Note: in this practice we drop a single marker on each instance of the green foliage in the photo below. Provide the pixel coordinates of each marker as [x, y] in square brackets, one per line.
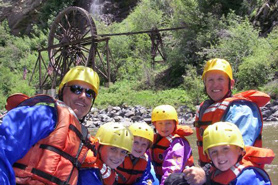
[50, 10]
[255, 69]
[144, 17]
[4, 33]
[236, 41]
[131, 54]
[193, 85]
[253, 73]
[12, 82]
[223, 7]
[16, 54]
[272, 41]
[272, 89]
[212, 28]
[125, 92]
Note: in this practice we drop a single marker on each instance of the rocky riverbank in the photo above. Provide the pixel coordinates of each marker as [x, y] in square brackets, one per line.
[129, 114]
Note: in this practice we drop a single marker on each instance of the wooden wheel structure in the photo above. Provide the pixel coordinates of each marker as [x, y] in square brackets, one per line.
[71, 42]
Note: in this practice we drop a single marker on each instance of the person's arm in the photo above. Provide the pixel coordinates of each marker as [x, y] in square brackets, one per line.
[21, 128]
[147, 176]
[251, 176]
[89, 176]
[175, 157]
[195, 175]
[246, 115]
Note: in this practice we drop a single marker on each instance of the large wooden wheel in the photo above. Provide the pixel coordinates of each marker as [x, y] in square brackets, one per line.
[71, 42]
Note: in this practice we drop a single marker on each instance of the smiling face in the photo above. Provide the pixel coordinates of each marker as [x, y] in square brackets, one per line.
[112, 156]
[224, 156]
[217, 84]
[80, 104]
[140, 145]
[165, 127]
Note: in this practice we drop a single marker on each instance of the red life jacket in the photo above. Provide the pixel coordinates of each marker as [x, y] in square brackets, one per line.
[162, 143]
[56, 158]
[132, 169]
[108, 175]
[216, 111]
[254, 158]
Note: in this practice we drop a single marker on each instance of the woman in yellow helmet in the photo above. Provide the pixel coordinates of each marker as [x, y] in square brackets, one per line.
[114, 142]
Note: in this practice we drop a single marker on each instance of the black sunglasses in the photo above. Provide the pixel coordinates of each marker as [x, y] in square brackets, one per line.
[76, 89]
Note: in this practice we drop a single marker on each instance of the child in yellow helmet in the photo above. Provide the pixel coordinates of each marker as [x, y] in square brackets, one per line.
[136, 168]
[114, 142]
[233, 162]
[170, 151]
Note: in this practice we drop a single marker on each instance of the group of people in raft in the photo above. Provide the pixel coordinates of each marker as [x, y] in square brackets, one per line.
[43, 140]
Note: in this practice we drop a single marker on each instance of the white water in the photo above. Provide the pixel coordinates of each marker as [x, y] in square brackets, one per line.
[96, 8]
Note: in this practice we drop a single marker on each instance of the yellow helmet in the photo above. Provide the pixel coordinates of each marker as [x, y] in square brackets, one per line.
[220, 65]
[222, 133]
[164, 112]
[81, 73]
[142, 130]
[115, 134]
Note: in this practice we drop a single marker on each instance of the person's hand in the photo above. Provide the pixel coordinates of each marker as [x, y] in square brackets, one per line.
[195, 175]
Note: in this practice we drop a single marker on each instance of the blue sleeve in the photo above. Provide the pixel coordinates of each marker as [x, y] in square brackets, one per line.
[250, 176]
[246, 115]
[89, 177]
[21, 128]
[147, 176]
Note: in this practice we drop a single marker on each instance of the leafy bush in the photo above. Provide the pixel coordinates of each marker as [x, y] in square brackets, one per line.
[193, 85]
[271, 88]
[255, 70]
[236, 41]
[125, 92]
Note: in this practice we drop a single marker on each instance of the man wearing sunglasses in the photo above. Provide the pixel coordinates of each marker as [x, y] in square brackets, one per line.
[78, 91]
[42, 140]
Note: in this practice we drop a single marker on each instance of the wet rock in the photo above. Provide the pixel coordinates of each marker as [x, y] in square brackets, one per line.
[128, 114]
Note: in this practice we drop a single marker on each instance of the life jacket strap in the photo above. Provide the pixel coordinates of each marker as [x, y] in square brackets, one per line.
[83, 137]
[73, 160]
[201, 123]
[132, 172]
[41, 174]
[48, 177]
[20, 166]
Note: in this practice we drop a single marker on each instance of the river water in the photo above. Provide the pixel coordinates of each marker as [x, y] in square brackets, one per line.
[270, 140]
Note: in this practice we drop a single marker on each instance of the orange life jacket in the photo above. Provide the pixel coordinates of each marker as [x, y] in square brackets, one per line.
[216, 111]
[108, 175]
[254, 158]
[162, 143]
[56, 158]
[132, 169]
